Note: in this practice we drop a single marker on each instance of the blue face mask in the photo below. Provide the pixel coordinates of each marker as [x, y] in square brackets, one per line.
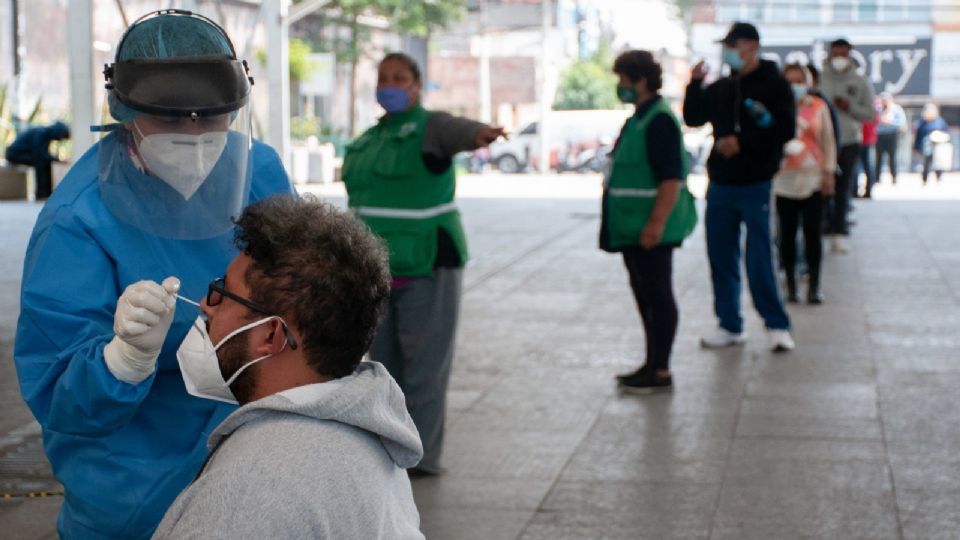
[732, 58]
[393, 100]
[799, 91]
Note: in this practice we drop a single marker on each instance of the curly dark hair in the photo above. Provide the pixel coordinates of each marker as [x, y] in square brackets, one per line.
[320, 269]
[638, 65]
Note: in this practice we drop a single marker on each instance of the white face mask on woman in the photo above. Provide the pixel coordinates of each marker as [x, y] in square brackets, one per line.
[181, 160]
[200, 365]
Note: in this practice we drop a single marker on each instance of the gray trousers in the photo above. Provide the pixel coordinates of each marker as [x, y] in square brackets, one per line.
[415, 342]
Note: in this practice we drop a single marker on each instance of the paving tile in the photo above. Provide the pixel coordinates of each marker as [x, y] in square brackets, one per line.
[507, 454]
[436, 493]
[750, 512]
[929, 513]
[807, 427]
[473, 524]
[669, 458]
[811, 407]
[20, 519]
[815, 450]
[618, 510]
[834, 477]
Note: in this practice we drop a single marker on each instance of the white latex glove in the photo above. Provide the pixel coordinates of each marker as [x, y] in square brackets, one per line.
[143, 318]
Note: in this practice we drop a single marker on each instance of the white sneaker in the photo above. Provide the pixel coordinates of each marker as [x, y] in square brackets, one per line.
[838, 244]
[780, 341]
[721, 337]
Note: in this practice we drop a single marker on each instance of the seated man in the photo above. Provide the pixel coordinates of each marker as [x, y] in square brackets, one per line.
[32, 147]
[320, 444]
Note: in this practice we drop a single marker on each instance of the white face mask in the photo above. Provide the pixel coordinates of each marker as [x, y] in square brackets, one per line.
[200, 366]
[840, 63]
[181, 160]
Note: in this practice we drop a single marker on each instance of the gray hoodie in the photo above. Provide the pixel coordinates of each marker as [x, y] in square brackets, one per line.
[323, 461]
[855, 88]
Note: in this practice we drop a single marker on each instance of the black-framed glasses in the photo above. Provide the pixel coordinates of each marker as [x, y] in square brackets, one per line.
[217, 291]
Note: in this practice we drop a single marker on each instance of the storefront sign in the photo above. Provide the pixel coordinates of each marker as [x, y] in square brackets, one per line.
[901, 69]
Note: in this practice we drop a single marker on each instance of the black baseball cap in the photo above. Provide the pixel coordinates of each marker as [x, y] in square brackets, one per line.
[740, 30]
[841, 42]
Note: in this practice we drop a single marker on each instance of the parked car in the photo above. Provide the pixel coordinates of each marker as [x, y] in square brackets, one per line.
[568, 130]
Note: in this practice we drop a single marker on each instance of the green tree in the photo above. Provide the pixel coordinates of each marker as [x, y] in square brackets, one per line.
[410, 17]
[587, 84]
[300, 64]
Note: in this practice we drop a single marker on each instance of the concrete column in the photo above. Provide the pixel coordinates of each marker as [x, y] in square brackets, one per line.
[278, 75]
[545, 102]
[485, 106]
[82, 78]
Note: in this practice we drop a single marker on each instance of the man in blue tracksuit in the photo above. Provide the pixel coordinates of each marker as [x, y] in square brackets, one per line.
[97, 337]
[753, 115]
[32, 147]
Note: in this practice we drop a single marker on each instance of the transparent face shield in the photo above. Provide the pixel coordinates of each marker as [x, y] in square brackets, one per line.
[176, 164]
[177, 177]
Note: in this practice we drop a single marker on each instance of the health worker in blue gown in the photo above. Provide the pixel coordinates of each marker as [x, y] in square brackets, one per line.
[144, 215]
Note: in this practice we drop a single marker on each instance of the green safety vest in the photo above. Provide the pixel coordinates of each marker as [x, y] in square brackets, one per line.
[632, 189]
[393, 192]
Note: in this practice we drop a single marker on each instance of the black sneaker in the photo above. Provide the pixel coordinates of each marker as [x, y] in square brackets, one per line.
[646, 382]
[630, 375]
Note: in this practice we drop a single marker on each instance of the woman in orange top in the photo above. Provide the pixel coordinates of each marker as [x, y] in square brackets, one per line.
[806, 176]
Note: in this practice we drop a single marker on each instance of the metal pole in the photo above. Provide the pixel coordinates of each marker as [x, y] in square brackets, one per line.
[543, 164]
[123, 14]
[16, 38]
[17, 87]
[278, 74]
[80, 51]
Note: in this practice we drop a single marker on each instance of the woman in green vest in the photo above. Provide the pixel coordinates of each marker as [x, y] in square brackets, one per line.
[400, 181]
[647, 212]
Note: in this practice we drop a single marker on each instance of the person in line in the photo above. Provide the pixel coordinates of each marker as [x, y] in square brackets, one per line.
[154, 198]
[320, 444]
[815, 91]
[401, 182]
[893, 122]
[868, 149]
[853, 96]
[931, 130]
[647, 211]
[806, 176]
[753, 115]
[31, 147]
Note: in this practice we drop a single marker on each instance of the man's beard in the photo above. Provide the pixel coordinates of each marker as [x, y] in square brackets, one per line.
[232, 356]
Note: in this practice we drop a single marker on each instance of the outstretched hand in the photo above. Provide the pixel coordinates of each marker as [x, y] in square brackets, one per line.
[488, 134]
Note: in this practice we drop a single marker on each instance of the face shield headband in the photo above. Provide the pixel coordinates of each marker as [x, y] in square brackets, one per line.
[192, 86]
[181, 86]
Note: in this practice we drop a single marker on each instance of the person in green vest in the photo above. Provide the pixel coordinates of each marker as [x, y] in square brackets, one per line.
[647, 212]
[400, 181]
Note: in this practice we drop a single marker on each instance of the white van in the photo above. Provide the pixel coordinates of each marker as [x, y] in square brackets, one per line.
[567, 128]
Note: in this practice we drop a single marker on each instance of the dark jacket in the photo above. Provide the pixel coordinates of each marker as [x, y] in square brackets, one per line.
[722, 104]
[924, 129]
[32, 146]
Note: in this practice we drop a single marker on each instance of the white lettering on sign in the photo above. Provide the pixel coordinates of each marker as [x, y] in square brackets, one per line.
[877, 58]
[890, 68]
[909, 63]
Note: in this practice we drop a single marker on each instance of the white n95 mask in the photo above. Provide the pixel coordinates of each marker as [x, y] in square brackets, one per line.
[840, 63]
[181, 160]
[200, 366]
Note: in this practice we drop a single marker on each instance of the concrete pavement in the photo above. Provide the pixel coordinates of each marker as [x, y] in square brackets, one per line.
[854, 435]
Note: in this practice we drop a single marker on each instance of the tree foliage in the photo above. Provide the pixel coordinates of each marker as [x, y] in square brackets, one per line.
[300, 64]
[587, 84]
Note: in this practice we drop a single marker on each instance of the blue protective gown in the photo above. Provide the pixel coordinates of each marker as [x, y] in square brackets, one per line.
[122, 451]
